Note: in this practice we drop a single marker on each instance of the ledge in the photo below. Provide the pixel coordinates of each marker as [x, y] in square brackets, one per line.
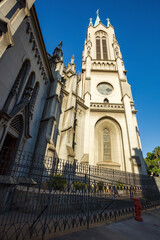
[102, 107]
[109, 164]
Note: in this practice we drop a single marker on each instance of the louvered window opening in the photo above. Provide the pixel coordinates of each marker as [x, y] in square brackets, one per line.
[104, 45]
[106, 145]
[16, 124]
[98, 49]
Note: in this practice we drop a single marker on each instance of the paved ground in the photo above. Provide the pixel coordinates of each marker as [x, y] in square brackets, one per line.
[130, 229]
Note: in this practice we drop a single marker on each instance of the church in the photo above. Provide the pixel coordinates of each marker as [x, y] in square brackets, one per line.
[47, 110]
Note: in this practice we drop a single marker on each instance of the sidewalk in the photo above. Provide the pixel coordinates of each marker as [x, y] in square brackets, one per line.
[130, 229]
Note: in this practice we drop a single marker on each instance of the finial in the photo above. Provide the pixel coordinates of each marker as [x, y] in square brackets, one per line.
[90, 24]
[108, 22]
[97, 19]
[60, 44]
[72, 59]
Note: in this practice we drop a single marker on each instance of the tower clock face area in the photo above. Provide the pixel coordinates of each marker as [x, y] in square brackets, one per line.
[104, 88]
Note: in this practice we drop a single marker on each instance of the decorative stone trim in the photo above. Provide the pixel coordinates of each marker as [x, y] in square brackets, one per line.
[70, 108]
[80, 100]
[65, 92]
[36, 51]
[107, 106]
[103, 65]
[66, 129]
[133, 109]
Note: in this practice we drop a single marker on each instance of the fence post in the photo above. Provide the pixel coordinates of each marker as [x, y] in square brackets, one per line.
[113, 175]
[47, 206]
[115, 202]
[88, 205]
[131, 197]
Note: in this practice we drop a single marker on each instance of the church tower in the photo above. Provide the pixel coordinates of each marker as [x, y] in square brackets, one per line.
[109, 127]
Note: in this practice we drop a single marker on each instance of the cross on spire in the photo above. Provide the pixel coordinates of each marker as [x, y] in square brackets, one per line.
[97, 12]
[97, 19]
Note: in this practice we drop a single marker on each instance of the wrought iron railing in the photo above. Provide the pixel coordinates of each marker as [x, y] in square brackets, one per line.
[42, 196]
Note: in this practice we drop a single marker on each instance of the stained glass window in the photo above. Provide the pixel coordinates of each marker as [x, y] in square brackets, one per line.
[98, 48]
[104, 45]
[106, 145]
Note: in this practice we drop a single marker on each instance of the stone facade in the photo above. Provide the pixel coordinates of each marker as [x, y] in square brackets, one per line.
[24, 79]
[47, 109]
[98, 127]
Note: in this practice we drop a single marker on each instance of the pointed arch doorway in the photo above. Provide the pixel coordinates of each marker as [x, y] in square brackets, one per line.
[11, 144]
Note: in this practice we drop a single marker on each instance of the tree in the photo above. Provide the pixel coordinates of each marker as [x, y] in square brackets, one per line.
[153, 162]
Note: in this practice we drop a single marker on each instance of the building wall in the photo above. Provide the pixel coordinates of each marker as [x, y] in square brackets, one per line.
[11, 15]
[69, 114]
[16, 91]
[114, 111]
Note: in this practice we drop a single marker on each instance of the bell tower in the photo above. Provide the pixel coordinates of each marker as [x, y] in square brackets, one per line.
[111, 136]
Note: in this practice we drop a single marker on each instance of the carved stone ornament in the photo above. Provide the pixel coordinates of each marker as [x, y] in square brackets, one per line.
[117, 52]
[58, 53]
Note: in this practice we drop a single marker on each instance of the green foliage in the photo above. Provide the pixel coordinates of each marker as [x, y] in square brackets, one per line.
[152, 167]
[153, 162]
[79, 185]
[156, 151]
[100, 185]
[57, 182]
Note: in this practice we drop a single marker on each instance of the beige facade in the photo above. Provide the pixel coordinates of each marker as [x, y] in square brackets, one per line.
[48, 110]
[11, 19]
[100, 101]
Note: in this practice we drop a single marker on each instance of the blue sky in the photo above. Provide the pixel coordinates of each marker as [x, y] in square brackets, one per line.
[137, 29]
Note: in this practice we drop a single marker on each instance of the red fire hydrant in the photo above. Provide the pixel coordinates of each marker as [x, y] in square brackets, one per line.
[138, 209]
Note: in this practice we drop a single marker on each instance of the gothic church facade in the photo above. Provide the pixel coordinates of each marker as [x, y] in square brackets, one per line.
[48, 110]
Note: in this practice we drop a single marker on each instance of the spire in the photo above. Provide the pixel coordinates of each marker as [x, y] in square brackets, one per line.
[108, 22]
[72, 59]
[97, 19]
[90, 24]
[60, 44]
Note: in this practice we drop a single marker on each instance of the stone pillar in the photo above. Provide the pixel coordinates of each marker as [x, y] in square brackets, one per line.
[88, 67]
[130, 128]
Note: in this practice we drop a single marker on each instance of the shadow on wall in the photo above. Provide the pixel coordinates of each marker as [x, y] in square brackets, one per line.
[148, 185]
[138, 162]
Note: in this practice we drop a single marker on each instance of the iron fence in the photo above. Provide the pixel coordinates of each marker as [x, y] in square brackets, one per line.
[41, 196]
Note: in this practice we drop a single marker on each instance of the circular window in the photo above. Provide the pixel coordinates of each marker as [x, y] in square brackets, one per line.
[104, 88]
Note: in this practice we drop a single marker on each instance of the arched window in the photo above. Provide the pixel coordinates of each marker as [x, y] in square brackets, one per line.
[98, 48]
[17, 86]
[101, 45]
[106, 145]
[23, 73]
[33, 99]
[31, 80]
[106, 100]
[104, 46]
[29, 86]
